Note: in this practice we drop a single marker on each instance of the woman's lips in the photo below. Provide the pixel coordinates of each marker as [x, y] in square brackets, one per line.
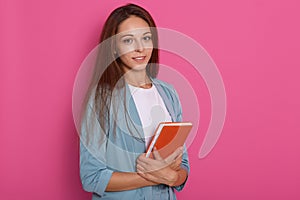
[139, 58]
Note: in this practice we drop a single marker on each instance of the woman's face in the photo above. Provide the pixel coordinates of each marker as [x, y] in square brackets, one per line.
[134, 43]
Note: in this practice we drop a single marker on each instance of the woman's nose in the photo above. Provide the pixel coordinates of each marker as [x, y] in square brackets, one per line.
[139, 46]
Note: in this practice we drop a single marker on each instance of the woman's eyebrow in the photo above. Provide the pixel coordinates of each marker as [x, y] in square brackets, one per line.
[131, 35]
[127, 35]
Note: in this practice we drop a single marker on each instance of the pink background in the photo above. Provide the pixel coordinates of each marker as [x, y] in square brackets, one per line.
[255, 45]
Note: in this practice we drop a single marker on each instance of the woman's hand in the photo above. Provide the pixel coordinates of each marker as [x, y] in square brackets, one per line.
[176, 164]
[160, 170]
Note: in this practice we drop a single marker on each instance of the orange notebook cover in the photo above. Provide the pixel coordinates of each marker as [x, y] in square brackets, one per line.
[168, 137]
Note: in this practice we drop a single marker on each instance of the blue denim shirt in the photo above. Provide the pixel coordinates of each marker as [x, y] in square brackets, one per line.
[101, 155]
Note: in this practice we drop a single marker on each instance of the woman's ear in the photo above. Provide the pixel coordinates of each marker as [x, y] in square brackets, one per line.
[116, 55]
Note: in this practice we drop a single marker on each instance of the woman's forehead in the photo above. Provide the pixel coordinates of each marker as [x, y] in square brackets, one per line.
[133, 24]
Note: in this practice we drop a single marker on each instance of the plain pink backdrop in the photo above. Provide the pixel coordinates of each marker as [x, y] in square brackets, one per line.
[254, 43]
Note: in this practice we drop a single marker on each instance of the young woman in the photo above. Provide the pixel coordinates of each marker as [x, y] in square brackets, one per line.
[124, 105]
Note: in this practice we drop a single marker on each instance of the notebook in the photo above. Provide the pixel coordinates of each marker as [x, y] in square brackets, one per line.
[168, 137]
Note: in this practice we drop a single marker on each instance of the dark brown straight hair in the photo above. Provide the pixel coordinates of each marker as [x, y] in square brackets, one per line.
[108, 73]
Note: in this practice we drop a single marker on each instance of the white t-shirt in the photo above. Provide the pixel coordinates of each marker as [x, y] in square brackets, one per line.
[151, 109]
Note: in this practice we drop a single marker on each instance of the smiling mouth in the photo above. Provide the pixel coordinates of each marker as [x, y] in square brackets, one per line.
[139, 58]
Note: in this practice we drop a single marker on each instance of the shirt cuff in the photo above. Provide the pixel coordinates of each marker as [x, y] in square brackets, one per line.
[104, 179]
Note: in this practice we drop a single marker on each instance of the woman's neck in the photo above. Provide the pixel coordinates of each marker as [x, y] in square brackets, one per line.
[138, 79]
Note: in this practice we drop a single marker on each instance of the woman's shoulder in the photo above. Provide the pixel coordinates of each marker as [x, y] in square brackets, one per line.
[166, 88]
[158, 82]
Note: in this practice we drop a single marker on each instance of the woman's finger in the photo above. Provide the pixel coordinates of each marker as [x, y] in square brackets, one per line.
[148, 164]
[156, 154]
[177, 153]
[143, 163]
[140, 168]
[150, 177]
[143, 159]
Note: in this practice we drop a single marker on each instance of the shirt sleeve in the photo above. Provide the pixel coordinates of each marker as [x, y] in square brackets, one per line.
[185, 161]
[185, 165]
[94, 173]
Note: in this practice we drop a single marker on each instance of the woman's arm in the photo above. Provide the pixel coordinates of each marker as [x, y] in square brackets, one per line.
[120, 181]
[166, 171]
[181, 177]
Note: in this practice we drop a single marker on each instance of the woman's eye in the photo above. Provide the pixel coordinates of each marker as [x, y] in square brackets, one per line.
[147, 38]
[127, 41]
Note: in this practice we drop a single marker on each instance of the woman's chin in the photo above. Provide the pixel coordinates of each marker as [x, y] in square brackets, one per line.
[140, 67]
